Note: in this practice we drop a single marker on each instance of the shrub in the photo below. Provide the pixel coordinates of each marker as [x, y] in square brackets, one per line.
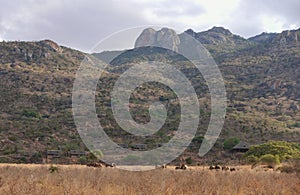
[252, 159]
[230, 143]
[53, 169]
[95, 155]
[189, 160]
[284, 150]
[286, 169]
[270, 160]
[198, 139]
[4, 160]
[31, 113]
[36, 158]
[12, 138]
[292, 166]
[82, 160]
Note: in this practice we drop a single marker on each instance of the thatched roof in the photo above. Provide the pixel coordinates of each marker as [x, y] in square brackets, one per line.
[241, 145]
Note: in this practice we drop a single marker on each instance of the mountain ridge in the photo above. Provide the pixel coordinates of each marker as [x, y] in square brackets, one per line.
[261, 77]
[218, 40]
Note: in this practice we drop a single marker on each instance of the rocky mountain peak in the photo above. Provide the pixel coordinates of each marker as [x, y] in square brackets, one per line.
[51, 45]
[165, 37]
[290, 36]
[219, 38]
[263, 37]
[191, 32]
[221, 30]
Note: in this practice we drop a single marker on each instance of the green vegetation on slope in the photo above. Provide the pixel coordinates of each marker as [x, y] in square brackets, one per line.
[261, 78]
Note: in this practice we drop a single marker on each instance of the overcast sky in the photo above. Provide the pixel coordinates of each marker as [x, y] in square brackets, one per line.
[81, 24]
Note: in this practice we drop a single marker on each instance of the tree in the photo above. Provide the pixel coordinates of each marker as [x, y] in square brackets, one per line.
[284, 150]
[270, 160]
[230, 143]
[252, 159]
[82, 160]
[189, 160]
[95, 155]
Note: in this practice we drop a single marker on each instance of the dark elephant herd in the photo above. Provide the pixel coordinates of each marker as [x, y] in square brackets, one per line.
[182, 166]
[100, 164]
[223, 168]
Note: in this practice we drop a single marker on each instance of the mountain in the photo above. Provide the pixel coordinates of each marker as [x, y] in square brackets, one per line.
[108, 56]
[219, 40]
[285, 39]
[261, 76]
[263, 37]
[36, 84]
[165, 37]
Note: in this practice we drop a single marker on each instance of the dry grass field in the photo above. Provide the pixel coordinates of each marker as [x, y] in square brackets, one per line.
[77, 179]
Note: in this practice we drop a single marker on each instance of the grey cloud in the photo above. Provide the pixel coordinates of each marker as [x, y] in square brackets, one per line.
[248, 18]
[73, 23]
[288, 9]
[177, 8]
[81, 24]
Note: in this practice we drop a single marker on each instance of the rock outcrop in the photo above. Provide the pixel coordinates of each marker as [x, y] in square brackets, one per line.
[51, 45]
[288, 37]
[165, 37]
[219, 39]
[278, 40]
[263, 37]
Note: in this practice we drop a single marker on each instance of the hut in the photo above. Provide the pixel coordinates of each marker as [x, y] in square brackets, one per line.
[54, 153]
[76, 153]
[139, 146]
[241, 147]
[123, 146]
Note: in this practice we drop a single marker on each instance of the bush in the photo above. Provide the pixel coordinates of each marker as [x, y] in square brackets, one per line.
[230, 143]
[270, 160]
[4, 160]
[53, 169]
[12, 138]
[284, 150]
[95, 155]
[189, 160]
[292, 166]
[31, 113]
[252, 159]
[83, 160]
[286, 169]
[198, 139]
[36, 158]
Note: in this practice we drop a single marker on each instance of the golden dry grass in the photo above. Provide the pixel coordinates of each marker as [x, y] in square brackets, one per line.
[76, 179]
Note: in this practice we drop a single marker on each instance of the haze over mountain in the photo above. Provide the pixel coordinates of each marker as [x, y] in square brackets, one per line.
[261, 75]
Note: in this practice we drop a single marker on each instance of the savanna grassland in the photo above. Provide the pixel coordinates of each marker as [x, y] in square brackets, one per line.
[78, 179]
[261, 77]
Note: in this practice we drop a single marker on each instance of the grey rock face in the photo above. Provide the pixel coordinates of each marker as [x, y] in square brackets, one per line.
[165, 37]
[51, 45]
